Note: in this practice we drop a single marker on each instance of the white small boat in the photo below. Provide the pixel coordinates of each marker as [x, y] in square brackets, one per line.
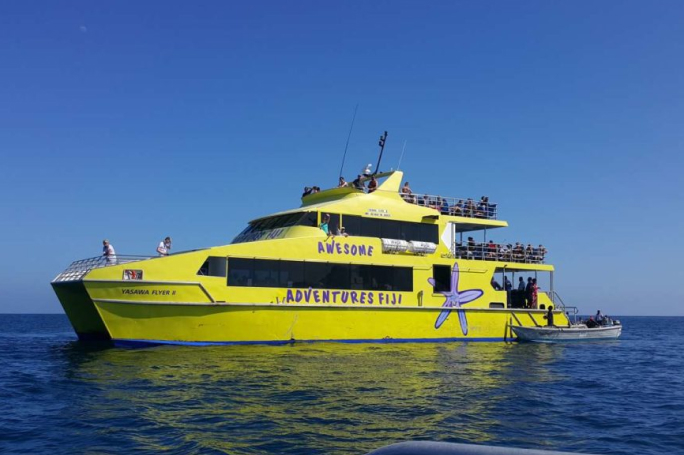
[577, 332]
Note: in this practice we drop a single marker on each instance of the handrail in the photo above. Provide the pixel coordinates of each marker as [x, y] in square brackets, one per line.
[500, 252]
[454, 206]
[80, 268]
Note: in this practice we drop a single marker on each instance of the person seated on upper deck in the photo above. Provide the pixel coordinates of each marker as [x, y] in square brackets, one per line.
[542, 252]
[518, 252]
[315, 189]
[482, 209]
[342, 183]
[491, 251]
[358, 184]
[373, 185]
[504, 252]
[473, 250]
[424, 201]
[307, 191]
[529, 253]
[469, 208]
[406, 189]
[445, 207]
[457, 209]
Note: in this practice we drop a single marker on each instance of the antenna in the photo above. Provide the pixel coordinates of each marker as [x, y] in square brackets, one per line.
[402, 155]
[381, 143]
[348, 137]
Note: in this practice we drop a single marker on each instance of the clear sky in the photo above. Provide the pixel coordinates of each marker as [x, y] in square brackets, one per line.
[137, 120]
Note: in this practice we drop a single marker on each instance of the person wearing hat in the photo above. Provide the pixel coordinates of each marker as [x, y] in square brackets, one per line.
[164, 248]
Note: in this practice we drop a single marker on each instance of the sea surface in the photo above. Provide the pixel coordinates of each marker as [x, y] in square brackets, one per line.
[61, 396]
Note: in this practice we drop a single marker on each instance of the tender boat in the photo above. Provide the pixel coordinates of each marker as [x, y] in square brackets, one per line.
[575, 332]
[400, 271]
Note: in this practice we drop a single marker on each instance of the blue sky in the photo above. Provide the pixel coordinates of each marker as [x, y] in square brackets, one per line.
[135, 121]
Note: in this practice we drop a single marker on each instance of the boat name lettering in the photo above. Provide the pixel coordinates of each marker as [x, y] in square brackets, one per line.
[382, 213]
[328, 296]
[148, 291]
[334, 247]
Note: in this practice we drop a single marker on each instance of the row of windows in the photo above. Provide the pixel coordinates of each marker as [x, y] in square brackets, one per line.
[386, 229]
[316, 275]
[354, 225]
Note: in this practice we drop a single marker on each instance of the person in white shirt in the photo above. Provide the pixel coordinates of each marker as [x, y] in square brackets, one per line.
[164, 248]
[108, 252]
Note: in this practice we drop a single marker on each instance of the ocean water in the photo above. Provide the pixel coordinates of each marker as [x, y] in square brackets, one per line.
[61, 396]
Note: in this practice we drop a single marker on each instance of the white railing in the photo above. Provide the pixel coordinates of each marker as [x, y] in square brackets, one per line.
[453, 206]
[80, 268]
[499, 252]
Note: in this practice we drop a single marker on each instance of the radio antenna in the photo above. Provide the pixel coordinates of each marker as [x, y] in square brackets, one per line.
[348, 137]
[402, 155]
[381, 143]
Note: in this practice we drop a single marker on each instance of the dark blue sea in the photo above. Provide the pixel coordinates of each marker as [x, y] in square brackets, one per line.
[61, 396]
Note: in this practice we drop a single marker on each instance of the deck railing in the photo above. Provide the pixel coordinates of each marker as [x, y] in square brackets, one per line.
[79, 268]
[497, 252]
[466, 207]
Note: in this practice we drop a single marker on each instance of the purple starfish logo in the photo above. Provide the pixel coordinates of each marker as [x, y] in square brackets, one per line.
[455, 299]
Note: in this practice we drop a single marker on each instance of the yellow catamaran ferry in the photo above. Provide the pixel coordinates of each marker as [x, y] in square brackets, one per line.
[404, 268]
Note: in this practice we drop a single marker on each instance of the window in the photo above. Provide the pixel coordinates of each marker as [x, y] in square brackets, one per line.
[213, 266]
[240, 272]
[318, 275]
[291, 274]
[442, 277]
[390, 229]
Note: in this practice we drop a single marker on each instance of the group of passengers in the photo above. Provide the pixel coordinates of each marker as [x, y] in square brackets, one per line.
[530, 291]
[503, 252]
[468, 208]
[311, 190]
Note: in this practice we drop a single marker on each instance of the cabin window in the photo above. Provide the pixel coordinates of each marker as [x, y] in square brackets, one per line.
[442, 276]
[240, 272]
[291, 274]
[318, 275]
[334, 223]
[390, 229]
[213, 266]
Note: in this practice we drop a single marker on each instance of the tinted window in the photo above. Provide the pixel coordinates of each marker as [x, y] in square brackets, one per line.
[291, 274]
[240, 272]
[265, 275]
[442, 277]
[213, 266]
[317, 275]
[352, 224]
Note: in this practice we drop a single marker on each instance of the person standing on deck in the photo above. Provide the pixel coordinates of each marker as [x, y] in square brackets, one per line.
[521, 284]
[108, 252]
[528, 293]
[549, 317]
[535, 293]
[164, 247]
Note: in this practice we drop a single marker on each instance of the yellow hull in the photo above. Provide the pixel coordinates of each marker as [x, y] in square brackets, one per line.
[248, 323]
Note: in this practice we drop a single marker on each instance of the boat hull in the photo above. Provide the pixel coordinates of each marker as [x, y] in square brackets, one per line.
[134, 323]
[563, 334]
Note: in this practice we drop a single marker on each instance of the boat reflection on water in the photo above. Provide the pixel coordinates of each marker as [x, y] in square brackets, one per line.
[305, 398]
